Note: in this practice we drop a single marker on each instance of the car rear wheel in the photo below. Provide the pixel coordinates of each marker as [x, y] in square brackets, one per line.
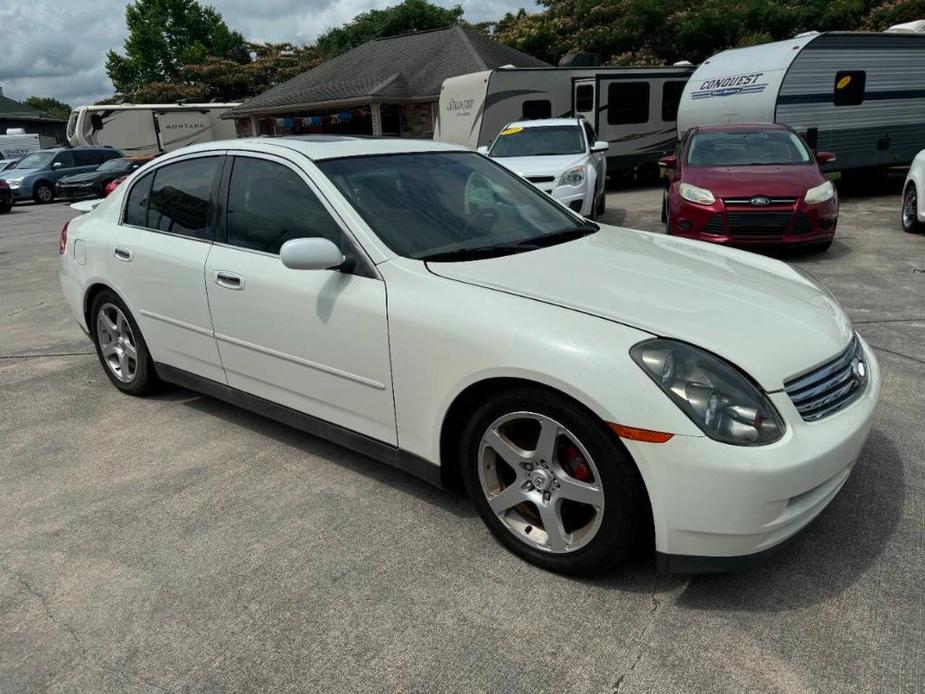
[120, 346]
[910, 219]
[552, 483]
[43, 193]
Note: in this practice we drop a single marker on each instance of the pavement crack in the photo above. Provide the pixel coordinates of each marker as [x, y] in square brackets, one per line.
[889, 320]
[41, 356]
[69, 630]
[21, 310]
[656, 606]
[899, 354]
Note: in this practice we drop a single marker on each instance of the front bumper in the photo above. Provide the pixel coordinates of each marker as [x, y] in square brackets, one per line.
[717, 506]
[21, 191]
[78, 190]
[579, 199]
[788, 224]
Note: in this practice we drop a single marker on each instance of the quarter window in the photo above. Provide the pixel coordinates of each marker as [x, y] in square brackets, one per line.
[268, 204]
[627, 102]
[533, 110]
[181, 197]
[849, 87]
[136, 207]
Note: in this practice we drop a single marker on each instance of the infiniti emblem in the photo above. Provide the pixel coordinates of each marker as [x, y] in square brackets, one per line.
[760, 201]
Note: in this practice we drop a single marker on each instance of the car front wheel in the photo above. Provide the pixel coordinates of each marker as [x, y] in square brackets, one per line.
[551, 481]
[43, 193]
[910, 219]
[120, 346]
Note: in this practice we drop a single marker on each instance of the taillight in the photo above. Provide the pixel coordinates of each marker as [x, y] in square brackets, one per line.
[62, 245]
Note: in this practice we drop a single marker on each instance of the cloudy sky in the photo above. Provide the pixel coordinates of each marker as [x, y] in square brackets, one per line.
[58, 49]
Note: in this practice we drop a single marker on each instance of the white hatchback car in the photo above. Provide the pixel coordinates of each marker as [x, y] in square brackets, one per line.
[560, 156]
[913, 209]
[421, 304]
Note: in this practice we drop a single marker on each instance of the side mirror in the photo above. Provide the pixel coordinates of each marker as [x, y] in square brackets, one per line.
[57, 165]
[311, 254]
[483, 150]
[600, 146]
[825, 157]
[669, 162]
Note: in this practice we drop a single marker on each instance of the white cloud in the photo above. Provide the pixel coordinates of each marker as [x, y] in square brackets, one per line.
[58, 49]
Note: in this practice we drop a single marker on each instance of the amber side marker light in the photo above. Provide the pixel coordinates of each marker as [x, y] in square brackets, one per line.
[635, 434]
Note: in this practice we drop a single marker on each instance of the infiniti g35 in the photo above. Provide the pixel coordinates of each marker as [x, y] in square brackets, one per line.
[419, 303]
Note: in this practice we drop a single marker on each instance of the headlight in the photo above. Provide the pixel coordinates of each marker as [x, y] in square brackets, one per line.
[573, 177]
[701, 196]
[719, 398]
[821, 193]
[14, 182]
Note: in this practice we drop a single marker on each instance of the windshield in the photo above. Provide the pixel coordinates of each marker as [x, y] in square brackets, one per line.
[36, 160]
[115, 165]
[539, 141]
[743, 148]
[447, 205]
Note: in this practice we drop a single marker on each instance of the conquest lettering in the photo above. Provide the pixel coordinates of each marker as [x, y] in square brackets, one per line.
[733, 81]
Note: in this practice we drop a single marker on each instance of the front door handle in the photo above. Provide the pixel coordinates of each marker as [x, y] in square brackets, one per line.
[123, 254]
[228, 280]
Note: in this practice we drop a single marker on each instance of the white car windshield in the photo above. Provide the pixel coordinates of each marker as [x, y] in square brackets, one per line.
[546, 140]
[444, 206]
[745, 148]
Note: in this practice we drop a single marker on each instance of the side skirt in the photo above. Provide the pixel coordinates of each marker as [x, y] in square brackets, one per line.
[383, 452]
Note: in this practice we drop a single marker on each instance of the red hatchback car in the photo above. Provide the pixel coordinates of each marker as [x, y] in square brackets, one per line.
[749, 184]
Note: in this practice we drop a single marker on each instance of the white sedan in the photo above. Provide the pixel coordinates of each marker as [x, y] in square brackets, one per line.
[913, 209]
[560, 156]
[421, 304]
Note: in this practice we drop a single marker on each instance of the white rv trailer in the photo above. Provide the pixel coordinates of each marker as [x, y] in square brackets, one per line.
[860, 95]
[634, 109]
[139, 129]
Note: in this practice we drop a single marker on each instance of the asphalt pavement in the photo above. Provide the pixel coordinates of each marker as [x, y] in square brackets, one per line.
[177, 543]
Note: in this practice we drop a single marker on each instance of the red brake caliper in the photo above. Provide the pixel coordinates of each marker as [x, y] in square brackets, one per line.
[575, 464]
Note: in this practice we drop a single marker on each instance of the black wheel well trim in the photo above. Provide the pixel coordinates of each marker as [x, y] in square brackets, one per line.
[90, 295]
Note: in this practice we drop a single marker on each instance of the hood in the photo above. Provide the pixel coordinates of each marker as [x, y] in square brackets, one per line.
[83, 177]
[551, 165]
[17, 173]
[734, 181]
[756, 312]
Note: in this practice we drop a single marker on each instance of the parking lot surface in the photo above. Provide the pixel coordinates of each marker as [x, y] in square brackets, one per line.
[177, 543]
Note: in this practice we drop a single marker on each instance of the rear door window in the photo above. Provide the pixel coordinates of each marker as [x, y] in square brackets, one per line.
[181, 197]
[87, 157]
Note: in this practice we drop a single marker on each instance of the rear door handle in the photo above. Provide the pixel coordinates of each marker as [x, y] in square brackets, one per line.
[123, 254]
[228, 280]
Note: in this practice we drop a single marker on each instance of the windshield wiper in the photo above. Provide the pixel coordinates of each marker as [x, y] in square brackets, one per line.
[477, 252]
[561, 236]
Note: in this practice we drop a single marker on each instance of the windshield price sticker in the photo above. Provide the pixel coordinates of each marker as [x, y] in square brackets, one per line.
[511, 131]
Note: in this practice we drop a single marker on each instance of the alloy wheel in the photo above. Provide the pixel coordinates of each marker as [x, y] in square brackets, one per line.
[117, 342]
[540, 482]
[910, 205]
[44, 194]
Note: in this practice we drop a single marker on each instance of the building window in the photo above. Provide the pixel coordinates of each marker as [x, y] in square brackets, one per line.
[584, 98]
[671, 98]
[627, 102]
[540, 108]
[849, 87]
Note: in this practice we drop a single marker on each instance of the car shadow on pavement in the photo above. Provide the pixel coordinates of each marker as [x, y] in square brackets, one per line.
[448, 500]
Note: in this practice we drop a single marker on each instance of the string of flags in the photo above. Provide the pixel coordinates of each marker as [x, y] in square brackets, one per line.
[291, 122]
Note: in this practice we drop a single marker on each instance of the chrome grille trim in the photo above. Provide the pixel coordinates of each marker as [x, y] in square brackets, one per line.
[830, 387]
[748, 200]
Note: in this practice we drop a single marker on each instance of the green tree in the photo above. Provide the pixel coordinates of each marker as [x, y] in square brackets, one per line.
[166, 35]
[56, 108]
[409, 15]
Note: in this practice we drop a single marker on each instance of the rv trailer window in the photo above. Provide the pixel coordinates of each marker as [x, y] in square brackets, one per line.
[671, 97]
[627, 102]
[849, 87]
[534, 110]
[584, 98]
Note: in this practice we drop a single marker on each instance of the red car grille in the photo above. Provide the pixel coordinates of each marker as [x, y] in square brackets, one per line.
[753, 224]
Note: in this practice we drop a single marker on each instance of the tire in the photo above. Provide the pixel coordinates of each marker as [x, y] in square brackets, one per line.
[602, 203]
[526, 485]
[109, 321]
[43, 193]
[909, 213]
[665, 208]
[4, 208]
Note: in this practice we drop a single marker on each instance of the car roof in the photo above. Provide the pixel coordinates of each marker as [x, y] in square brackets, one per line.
[734, 127]
[545, 122]
[321, 147]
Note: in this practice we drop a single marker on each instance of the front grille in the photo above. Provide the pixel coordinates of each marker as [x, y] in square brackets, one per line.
[715, 226]
[541, 179]
[748, 201]
[758, 223]
[830, 387]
